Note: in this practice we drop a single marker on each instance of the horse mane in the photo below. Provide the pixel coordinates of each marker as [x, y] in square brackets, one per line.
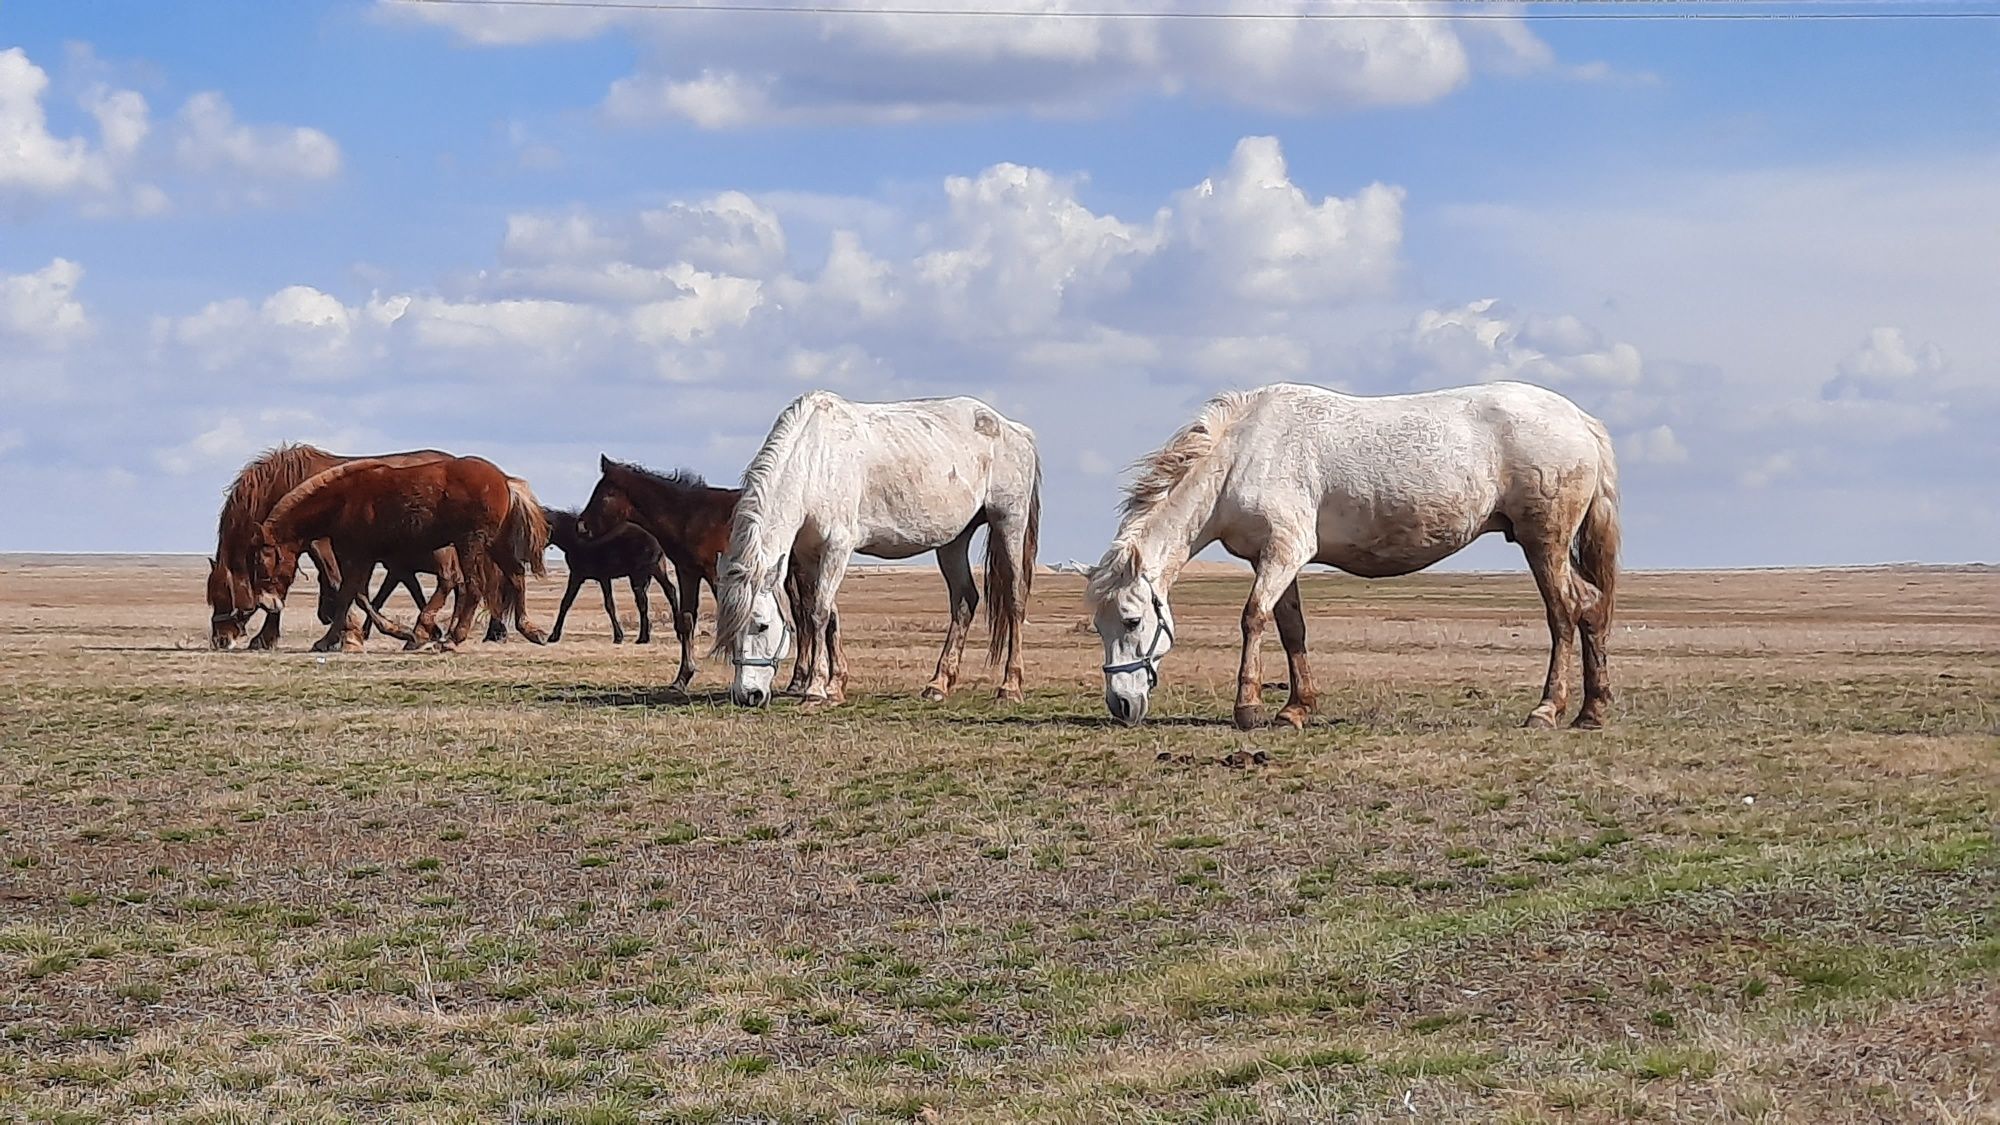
[262, 483]
[1159, 473]
[1166, 467]
[763, 467]
[679, 482]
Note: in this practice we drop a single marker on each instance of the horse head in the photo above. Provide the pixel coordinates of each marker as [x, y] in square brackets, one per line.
[751, 625]
[610, 505]
[273, 566]
[1130, 612]
[230, 603]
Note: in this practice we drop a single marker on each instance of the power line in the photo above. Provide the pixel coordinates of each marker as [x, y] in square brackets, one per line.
[1647, 13]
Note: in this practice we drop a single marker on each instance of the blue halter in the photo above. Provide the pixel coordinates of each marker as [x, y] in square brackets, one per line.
[1149, 663]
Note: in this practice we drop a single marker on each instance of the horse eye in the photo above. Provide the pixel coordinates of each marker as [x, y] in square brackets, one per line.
[1131, 623]
[762, 628]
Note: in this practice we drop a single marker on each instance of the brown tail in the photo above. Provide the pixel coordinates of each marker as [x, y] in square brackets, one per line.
[1595, 552]
[1010, 580]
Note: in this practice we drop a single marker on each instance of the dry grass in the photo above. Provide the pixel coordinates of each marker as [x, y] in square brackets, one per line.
[524, 884]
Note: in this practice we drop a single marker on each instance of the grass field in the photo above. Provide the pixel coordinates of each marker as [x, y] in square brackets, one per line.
[525, 884]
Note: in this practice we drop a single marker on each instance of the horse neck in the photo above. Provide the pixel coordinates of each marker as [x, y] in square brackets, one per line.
[247, 507]
[1176, 528]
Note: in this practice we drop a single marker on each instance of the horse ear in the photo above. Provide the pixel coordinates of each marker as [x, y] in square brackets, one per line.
[603, 463]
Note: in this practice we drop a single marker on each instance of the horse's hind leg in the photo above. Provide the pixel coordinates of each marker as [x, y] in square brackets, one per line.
[955, 562]
[1291, 618]
[339, 638]
[1548, 559]
[1277, 571]
[611, 611]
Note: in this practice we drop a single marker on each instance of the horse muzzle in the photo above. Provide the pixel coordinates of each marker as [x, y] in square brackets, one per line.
[1128, 710]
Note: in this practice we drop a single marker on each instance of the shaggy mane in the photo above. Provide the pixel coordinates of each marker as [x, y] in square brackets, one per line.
[261, 484]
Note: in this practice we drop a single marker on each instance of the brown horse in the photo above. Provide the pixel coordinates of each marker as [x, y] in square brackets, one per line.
[690, 518]
[255, 491]
[371, 510]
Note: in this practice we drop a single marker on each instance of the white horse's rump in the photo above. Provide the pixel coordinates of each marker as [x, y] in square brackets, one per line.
[890, 480]
[1289, 474]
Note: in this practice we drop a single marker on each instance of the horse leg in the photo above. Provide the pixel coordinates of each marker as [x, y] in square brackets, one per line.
[451, 580]
[1277, 569]
[562, 611]
[954, 561]
[828, 685]
[1548, 559]
[663, 574]
[639, 582]
[611, 611]
[684, 621]
[798, 592]
[1593, 622]
[338, 635]
[1012, 541]
[381, 599]
[267, 637]
[1291, 619]
[477, 576]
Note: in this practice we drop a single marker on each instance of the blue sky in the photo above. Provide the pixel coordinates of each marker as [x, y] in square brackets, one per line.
[1763, 252]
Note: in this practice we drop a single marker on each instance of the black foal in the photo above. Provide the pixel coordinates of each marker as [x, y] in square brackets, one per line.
[628, 552]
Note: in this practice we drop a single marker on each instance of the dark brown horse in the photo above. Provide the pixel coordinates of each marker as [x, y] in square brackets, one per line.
[372, 510]
[255, 491]
[627, 551]
[690, 518]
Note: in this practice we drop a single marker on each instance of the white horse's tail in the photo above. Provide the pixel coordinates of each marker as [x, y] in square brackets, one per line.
[1595, 552]
[1009, 580]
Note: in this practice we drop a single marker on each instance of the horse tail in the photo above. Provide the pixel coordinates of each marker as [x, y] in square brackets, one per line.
[526, 531]
[1010, 577]
[1595, 551]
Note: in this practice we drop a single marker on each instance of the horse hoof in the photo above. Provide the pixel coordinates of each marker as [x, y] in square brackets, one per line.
[815, 703]
[1009, 695]
[1587, 721]
[534, 636]
[261, 645]
[932, 694]
[1538, 721]
[1294, 717]
[1249, 718]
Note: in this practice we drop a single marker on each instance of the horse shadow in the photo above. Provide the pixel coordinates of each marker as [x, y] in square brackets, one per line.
[622, 697]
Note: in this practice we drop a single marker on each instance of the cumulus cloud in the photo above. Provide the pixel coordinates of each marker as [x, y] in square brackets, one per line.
[1887, 365]
[203, 151]
[714, 71]
[1485, 341]
[40, 309]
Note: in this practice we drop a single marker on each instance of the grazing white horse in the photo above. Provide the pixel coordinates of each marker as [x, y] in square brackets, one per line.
[1288, 474]
[891, 480]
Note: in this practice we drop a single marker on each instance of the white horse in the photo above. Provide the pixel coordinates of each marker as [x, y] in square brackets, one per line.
[890, 480]
[1287, 475]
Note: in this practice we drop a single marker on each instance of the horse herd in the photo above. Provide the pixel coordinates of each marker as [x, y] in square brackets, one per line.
[1281, 476]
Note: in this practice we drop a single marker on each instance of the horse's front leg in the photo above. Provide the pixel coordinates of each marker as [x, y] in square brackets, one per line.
[339, 637]
[639, 582]
[1291, 618]
[798, 591]
[562, 611]
[828, 685]
[685, 619]
[1276, 570]
[477, 583]
[427, 631]
[267, 637]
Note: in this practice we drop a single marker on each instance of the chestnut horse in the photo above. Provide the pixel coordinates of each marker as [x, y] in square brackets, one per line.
[375, 509]
[690, 518]
[255, 491]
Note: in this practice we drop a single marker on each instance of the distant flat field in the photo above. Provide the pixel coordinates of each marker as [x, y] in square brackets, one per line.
[519, 883]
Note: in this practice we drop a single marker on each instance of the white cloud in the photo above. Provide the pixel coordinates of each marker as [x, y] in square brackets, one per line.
[212, 141]
[1484, 341]
[205, 151]
[1654, 446]
[40, 308]
[716, 71]
[1886, 365]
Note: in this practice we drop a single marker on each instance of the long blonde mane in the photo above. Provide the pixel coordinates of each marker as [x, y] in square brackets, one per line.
[1185, 456]
[733, 597]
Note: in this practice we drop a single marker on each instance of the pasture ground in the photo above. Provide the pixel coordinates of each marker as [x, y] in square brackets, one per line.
[525, 884]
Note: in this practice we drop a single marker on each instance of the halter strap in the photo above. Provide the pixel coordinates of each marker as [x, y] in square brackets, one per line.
[1149, 663]
[771, 662]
